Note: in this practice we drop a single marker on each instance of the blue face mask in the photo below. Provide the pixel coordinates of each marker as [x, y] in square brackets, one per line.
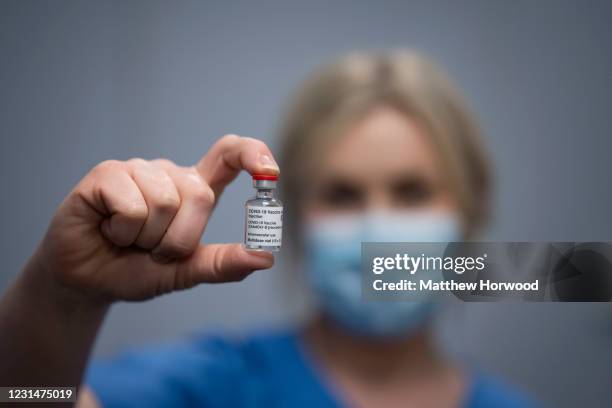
[333, 267]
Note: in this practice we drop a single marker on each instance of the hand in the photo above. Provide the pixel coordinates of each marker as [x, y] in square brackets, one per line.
[131, 230]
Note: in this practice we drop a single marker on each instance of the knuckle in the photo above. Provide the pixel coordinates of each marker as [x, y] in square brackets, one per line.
[137, 161]
[257, 144]
[168, 202]
[230, 138]
[217, 265]
[260, 144]
[158, 176]
[199, 190]
[225, 266]
[135, 211]
[108, 166]
[204, 195]
[163, 163]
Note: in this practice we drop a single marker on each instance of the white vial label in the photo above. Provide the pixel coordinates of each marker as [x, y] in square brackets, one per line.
[264, 226]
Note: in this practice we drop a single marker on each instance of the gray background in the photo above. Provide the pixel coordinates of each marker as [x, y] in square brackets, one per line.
[85, 81]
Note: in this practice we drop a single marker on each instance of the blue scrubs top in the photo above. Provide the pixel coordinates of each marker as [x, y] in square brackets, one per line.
[264, 370]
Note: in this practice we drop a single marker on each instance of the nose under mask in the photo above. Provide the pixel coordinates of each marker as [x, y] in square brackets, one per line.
[333, 267]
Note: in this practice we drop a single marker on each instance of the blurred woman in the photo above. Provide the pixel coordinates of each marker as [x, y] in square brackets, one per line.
[376, 147]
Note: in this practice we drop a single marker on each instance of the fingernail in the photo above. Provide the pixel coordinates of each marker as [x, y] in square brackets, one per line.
[268, 162]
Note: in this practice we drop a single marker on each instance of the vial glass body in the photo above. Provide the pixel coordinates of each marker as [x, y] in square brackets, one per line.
[264, 222]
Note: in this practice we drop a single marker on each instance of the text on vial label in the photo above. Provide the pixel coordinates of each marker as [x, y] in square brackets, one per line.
[264, 226]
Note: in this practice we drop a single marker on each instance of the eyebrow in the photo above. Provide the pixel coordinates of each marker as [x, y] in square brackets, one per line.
[340, 181]
[412, 177]
[405, 177]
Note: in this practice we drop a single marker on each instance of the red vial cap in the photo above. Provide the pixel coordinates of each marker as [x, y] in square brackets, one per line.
[265, 177]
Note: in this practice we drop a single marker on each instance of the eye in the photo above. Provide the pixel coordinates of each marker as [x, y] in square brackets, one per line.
[341, 195]
[413, 191]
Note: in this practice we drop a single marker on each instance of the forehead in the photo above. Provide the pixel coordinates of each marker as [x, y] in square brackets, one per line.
[384, 142]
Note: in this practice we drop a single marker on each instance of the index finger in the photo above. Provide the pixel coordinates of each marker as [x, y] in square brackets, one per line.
[231, 154]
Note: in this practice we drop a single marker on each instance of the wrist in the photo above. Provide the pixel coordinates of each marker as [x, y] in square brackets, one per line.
[45, 325]
[39, 285]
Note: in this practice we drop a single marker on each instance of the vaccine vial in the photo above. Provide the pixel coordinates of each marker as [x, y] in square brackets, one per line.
[264, 216]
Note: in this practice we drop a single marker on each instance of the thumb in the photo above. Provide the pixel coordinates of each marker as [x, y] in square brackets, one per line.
[214, 263]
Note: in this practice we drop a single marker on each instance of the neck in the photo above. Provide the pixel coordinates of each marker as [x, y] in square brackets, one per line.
[370, 356]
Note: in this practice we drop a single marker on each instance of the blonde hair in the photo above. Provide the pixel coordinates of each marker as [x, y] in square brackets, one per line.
[344, 91]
